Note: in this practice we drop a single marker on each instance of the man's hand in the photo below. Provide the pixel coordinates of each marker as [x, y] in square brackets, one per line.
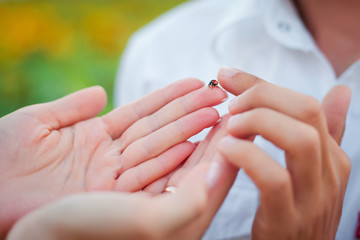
[59, 148]
[303, 200]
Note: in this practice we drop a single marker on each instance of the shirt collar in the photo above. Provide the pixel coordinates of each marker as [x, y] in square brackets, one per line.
[283, 23]
[279, 17]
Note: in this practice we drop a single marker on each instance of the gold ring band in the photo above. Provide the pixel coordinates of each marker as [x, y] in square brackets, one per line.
[170, 190]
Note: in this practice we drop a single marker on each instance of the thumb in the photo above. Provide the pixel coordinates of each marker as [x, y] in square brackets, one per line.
[335, 105]
[76, 107]
[190, 198]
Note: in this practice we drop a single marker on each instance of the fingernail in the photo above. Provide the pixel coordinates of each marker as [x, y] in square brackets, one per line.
[218, 121]
[232, 103]
[212, 176]
[225, 99]
[228, 72]
[227, 142]
[233, 121]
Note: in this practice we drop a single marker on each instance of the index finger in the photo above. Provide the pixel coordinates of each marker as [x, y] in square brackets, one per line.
[226, 76]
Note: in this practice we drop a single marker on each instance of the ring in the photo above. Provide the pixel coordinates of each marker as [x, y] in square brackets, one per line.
[170, 190]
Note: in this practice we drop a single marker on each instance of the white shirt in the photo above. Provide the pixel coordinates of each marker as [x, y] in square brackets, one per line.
[263, 37]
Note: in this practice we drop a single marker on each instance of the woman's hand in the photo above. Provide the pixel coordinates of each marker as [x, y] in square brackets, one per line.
[206, 152]
[59, 148]
[303, 200]
[131, 216]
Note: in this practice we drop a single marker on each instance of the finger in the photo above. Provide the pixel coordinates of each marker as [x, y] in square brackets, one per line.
[142, 175]
[221, 187]
[76, 107]
[273, 181]
[204, 152]
[190, 200]
[118, 120]
[256, 93]
[166, 137]
[195, 216]
[159, 185]
[300, 141]
[203, 97]
[266, 95]
[336, 104]
[236, 81]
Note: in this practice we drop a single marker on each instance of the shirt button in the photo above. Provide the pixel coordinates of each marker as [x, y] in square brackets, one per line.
[284, 27]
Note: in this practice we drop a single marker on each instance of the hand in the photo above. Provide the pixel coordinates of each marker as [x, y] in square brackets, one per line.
[58, 148]
[303, 201]
[128, 216]
[206, 152]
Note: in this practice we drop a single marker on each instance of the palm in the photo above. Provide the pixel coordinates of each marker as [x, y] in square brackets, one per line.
[81, 157]
[62, 147]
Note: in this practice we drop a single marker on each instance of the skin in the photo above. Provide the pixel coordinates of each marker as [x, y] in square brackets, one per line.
[335, 29]
[60, 148]
[303, 200]
[307, 200]
[332, 24]
[184, 214]
[206, 151]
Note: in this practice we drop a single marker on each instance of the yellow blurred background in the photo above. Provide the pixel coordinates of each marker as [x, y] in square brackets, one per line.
[51, 48]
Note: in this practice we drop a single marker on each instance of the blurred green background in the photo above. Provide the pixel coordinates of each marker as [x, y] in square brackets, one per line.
[51, 48]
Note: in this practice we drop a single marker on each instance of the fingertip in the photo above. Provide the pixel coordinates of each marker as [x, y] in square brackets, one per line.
[185, 148]
[190, 145]
[345, 93]
[227, 73]
[221, 93]
[336, 104]
[226, 144]
[101, 96]
[213, 116]
[236, 81]
[208, 114]
[94, 97]
[233, 106]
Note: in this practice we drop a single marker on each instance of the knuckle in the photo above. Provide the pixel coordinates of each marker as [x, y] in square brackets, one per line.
[184, 104]
[248, 81]
[256, 116]
[125, 140]
[148, 146]
[279, 183]
[313, 109]
[309, 138]
[257, 92]
[343, 165]
[180, 128]
[137, 109]
[253, 80]
[153, 122]
[347, 166]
